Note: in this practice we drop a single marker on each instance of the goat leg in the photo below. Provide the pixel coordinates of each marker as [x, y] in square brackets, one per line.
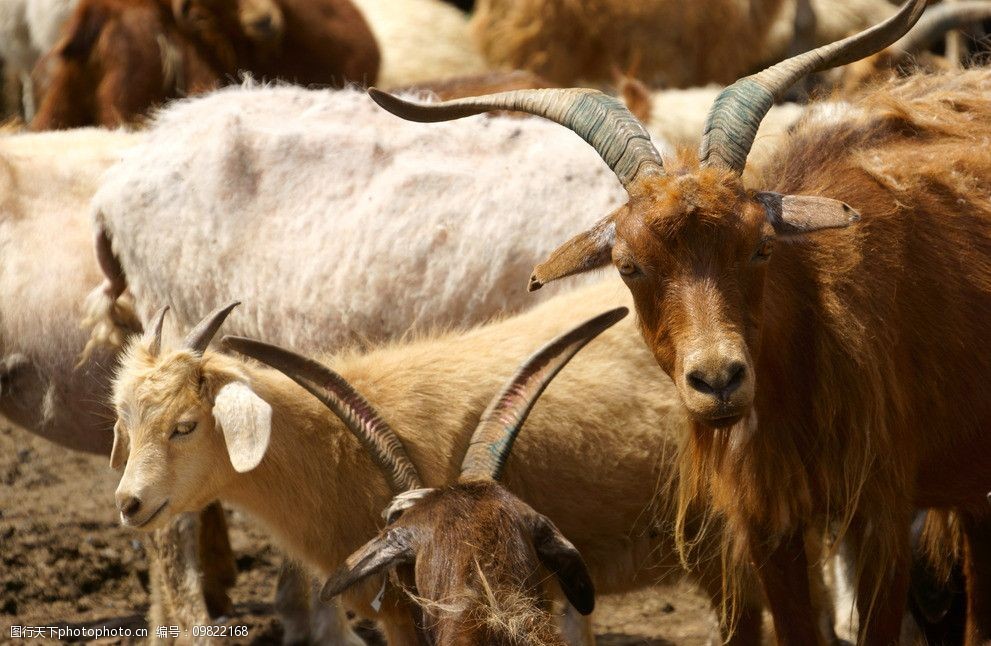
[219, 569]
[883, 583]
[177, 582]
[977, 568]
[783, 568]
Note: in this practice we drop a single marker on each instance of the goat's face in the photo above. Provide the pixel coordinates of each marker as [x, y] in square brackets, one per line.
[694, 248]
[693, 252]
[186, 424]
[261, 21]
[475, 553]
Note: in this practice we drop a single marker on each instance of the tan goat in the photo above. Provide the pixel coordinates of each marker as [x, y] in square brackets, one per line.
[471, 550]
[195, 426]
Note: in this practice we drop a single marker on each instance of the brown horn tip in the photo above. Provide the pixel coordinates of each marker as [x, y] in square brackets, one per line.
[334, 392]
[499, 425]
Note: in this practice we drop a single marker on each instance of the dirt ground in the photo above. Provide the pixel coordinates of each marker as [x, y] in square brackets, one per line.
[64, 561]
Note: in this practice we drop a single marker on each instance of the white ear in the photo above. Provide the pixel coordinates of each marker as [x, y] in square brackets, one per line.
[246, 420]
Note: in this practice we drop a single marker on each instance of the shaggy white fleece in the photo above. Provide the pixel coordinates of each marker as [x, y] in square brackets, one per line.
[47, 268]
[335, 221]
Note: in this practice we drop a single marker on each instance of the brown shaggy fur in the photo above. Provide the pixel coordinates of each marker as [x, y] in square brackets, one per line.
[310, 42]
[119, 59]
[864, 390]
[675, 42]
[327, 42]
[475, 572]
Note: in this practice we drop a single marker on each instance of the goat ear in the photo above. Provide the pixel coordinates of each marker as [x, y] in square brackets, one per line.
[387, 550]
[563, 559]
[792, 215]
[246, 420]
[9, 367]
[82, 34]
[121, 448]
[586, 251]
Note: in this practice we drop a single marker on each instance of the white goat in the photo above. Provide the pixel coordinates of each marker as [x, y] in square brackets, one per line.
[195, 425]
[46, 183]
[342, 222]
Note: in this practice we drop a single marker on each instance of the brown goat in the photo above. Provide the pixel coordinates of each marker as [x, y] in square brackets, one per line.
[841, 378]
[309, 42]
[117, 60]
[472, 550]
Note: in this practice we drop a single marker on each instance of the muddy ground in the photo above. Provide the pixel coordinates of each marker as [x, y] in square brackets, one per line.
[65, 561]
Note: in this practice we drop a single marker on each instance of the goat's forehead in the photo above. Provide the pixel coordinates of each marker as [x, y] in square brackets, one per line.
[689, 207]
[160, 384]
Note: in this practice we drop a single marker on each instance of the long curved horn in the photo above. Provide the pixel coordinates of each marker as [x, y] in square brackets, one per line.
[601, 120]
[339, 396]
[501, 422]
[155, 337]
[738, 110]
[938, 20]
[200, 336]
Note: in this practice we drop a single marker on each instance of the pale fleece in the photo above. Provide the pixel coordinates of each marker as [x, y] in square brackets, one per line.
[335, 221]
[47, 268]
[420, 40]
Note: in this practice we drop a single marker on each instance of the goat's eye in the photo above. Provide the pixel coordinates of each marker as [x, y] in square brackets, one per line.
[763, 250]
[628, 268]
[183, 428]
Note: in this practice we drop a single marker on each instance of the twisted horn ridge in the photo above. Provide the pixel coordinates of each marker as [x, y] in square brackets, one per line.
[200, 336]
[155, 342]
[339, 396]
[738, 110]
[500, 423]
[601, 120]
[938, 20]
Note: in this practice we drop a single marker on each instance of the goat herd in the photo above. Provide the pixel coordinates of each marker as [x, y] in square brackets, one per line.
[292, 301]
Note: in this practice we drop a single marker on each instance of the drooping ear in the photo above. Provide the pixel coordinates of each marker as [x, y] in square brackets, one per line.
[246, 420]
[563, 559]
[586, 251]
[82, 32]
[121, 448]
[387, 550]
[10, 366]
[792, 215]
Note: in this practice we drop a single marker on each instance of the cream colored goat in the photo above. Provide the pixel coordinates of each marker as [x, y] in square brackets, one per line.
[196, 425]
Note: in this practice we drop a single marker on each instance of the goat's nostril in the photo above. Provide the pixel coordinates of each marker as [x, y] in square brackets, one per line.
[697, 380]
[263, 24]
[129, 506]
[737, 371]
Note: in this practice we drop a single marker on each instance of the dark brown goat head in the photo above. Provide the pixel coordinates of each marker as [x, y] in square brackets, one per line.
[472, 549]
[692, 242]
[235, 28]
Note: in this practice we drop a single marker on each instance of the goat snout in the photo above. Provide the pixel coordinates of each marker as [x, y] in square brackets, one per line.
[128, 505]
[264, 25]
[721, 382]
[717, 383]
